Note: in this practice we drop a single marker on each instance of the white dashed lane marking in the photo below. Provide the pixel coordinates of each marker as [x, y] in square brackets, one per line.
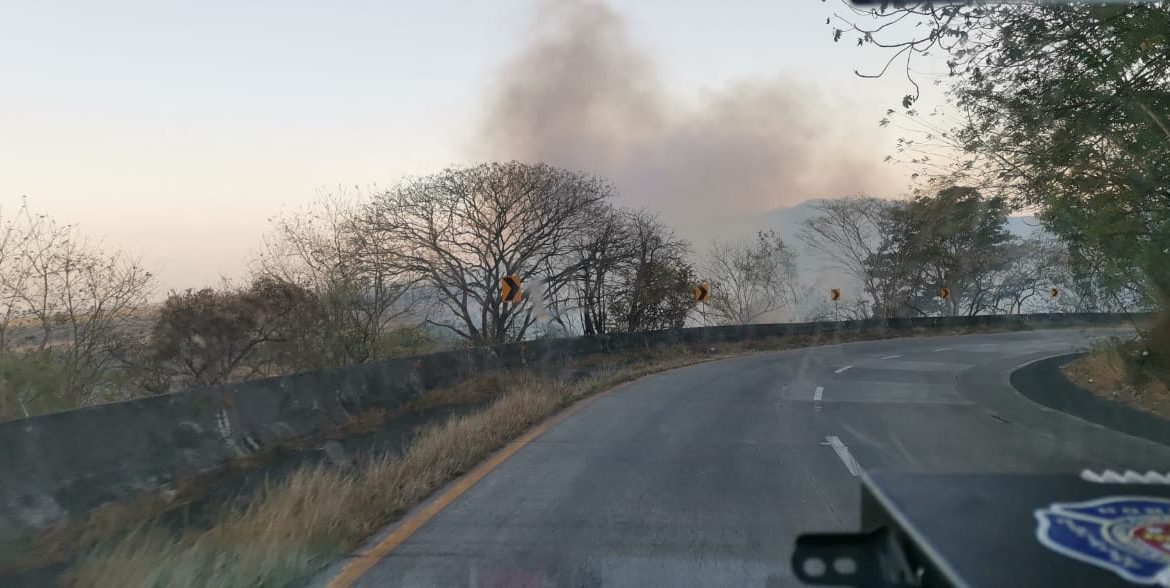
[843, 369]
[892, 356]
[843, 453]
[817, 394]
[943, 349]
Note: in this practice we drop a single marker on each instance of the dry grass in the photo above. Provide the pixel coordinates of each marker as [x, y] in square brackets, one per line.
[475, 390]
[65, 540]
[291, 529]
[1119, 370]
[1104, 368]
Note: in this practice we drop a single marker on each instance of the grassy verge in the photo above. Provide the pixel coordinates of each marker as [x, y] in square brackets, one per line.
[1123, 371]
[291, 528]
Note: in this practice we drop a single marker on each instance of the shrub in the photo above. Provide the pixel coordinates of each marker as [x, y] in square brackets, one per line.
[210, 337]
[32, 383]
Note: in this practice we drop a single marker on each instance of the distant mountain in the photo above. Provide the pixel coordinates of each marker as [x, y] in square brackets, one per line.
[784, 220]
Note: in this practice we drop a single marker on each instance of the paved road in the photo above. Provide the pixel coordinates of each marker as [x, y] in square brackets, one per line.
[703, 476]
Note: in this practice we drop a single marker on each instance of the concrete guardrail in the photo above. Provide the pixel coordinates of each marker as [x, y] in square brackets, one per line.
[60, 466]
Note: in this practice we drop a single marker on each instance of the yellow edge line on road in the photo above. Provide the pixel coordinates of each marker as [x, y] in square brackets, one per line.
[358, 566]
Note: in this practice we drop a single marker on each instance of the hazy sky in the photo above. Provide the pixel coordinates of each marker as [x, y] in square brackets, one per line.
[175, 130]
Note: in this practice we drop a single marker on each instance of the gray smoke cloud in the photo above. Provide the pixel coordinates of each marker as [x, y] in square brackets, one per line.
[581, 94]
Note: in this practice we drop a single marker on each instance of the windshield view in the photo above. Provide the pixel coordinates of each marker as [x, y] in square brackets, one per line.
[537, 293]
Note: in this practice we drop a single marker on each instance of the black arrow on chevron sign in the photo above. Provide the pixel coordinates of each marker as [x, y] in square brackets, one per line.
[701, 293]
[510, 289]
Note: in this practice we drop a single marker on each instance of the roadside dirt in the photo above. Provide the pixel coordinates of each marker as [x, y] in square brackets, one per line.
[1106, 373]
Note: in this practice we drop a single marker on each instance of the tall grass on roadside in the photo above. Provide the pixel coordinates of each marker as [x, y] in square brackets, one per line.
[292, 528]
[1135, 371]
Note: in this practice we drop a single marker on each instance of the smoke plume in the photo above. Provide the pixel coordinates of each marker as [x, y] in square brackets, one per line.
[581, 94]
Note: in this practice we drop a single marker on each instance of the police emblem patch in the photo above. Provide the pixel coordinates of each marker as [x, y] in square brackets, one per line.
[1128, 535]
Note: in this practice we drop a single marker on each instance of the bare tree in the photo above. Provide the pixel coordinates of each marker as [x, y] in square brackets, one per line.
[32, 275]
[360, 295]
[632, 274]
[1036, 265]
[14, 239]
[100, 294]
[463, 229]
[600, 250]
[751, 278]
[848, 231]
[78, 299]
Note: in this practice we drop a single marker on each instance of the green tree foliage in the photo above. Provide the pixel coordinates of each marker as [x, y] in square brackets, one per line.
[956, 239]
[1065, 108]
[653, 290]
[656, 295]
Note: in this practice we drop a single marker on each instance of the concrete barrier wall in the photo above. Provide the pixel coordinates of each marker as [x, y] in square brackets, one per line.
[62, 465]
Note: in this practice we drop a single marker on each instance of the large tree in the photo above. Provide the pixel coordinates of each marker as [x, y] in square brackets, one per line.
[955, 240]
[463, 229]
[1063, 107]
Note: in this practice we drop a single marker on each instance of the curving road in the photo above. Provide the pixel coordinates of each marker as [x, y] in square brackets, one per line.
[703, 476]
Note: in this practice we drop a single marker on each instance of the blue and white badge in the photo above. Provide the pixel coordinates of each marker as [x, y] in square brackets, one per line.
[1128, 535]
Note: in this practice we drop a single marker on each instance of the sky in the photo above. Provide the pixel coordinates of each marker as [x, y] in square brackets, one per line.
[174, 131]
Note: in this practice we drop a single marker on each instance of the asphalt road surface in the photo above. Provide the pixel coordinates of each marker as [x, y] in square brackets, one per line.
[703, 476]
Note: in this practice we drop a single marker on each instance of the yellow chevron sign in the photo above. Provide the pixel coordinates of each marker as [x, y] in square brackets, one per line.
[702, 292]
[510, 289]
